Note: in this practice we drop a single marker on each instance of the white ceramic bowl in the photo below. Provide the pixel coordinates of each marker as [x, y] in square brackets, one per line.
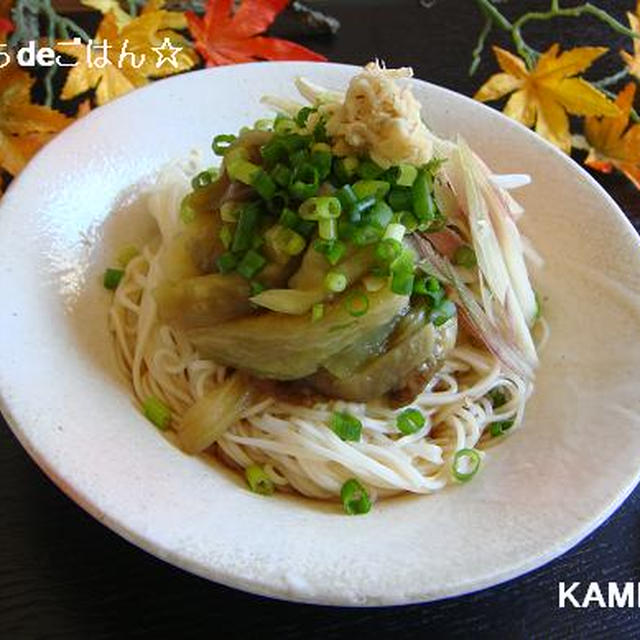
[540, 492]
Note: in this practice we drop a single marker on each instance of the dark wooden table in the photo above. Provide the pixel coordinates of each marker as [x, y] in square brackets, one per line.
[63, 575]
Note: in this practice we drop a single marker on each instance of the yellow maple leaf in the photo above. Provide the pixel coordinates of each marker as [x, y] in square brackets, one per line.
[545, 95]
[613, 143]
[24, 127]
[633, 60]
[109, 6]
[140, 36]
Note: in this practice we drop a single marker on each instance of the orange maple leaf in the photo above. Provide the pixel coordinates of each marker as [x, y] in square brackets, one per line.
[613, 143]
[223, 36]
[24, 127]
[546, 94]
[633, 60]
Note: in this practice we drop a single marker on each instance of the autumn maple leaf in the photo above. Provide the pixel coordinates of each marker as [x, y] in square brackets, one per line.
[613, 143]
[633, 60]
[24, 127]
[545, 95]
[223, 36]
[140, 35]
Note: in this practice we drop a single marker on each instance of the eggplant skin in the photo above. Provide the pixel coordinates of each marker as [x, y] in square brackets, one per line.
[422, 351]
[283, 347]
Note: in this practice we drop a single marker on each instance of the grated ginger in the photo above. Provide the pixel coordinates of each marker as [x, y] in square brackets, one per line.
[381, 118]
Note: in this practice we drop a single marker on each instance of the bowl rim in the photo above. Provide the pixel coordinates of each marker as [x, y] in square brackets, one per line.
[80, 496]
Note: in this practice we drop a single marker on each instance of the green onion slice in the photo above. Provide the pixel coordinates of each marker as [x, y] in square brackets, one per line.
[346, 426]
[357, 303]
[498, 428]
[258, 480]
[465, 465]
[221, 143]
[355, 498]
[112, 278]
[335, 281]
[410, 421]
[157, 412]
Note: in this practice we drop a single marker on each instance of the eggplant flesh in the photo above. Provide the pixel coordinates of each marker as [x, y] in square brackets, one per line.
[424, 349]
[202, 301]
[285, 347]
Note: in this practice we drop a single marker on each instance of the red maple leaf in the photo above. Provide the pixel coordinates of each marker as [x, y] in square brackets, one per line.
[223, 36]
[6, 26]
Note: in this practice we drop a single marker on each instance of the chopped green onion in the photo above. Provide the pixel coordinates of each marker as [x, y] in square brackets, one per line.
[445, 311]
[357, 303]
[258, 480]
[408, 220]
[221, 143]
[538, 301]
[294, 142]
[303, 115]
[278, 202]
[282, 124]
[157, 412]
[423, 205]
[320, 131]
[394, 231]
[256, 287]
[465, 256]
[304, 181]
[264, 124]
[226, 262]
[498, 397]
[345, 168]
[305, 227]
[281, 175]
[289, 218]
[247, 221]
[363, 236]
[346, 426]
[328, 229]
[273, 151]
[468, 458]
[111, 278]
[127, 254]
[229, 211]
[320, 208]
[376, 188]
[498, 428]
[369, 170]
[410, 421]
[333, 250]
[284, 240]
[243, 171]
[359, 208]
[298, 157]
[380, 215]
[226, 236]
[355, 498]
[388, 250]
[335, 281]
[187, 212]
[402, 282]
[251, 263]
[400, 199]
[263, 184]
[203, 179]
[405, 175]
[346, 196]
[321, 160]
[317, 311]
